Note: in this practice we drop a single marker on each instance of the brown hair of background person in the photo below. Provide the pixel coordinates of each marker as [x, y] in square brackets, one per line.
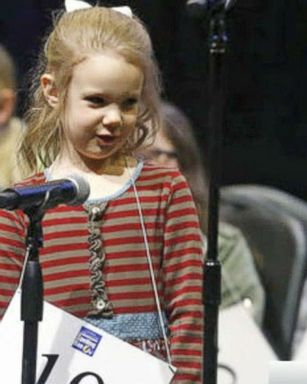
[176, 146]
[177, 130]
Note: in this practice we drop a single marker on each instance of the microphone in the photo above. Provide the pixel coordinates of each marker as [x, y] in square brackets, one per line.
[210, 3]
[199, 8]
[71, 191]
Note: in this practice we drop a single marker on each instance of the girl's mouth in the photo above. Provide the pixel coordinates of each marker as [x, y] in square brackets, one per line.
[106, 139]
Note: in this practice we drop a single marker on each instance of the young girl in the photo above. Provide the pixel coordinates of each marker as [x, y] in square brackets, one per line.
[98, 85]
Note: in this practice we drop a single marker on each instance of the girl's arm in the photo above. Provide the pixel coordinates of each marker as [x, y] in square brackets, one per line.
[12, 251]
[183, 279]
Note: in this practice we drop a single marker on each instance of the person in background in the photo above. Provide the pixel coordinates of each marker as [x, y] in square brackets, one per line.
[175, 146]
[136, 241]
[10, 126]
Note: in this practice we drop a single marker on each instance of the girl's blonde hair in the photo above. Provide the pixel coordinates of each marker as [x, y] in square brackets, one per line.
[76, 36]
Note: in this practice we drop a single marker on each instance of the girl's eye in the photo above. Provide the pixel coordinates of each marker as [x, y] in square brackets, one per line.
[97, 100]
[130, 103]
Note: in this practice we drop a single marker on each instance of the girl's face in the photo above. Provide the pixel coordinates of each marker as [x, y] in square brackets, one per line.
[101, 107]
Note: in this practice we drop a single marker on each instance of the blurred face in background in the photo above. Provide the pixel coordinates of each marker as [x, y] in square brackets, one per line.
[7, 105]
[161, 152]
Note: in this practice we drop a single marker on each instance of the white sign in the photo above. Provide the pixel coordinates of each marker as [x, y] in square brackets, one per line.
[288, 372]
[75, 352]
[244, 354]
[301, 350]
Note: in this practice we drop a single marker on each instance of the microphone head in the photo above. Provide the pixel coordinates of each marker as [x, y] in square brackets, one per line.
[198, 9]
[229, 4]
[82, 189]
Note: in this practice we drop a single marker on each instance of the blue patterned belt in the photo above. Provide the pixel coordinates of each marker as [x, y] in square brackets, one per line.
[132, 326]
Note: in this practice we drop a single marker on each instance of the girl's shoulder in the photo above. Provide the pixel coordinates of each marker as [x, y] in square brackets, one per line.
[159, 172]
[37, 178]
[171, 180]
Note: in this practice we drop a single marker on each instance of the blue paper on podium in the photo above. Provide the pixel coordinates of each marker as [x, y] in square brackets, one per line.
[77, 352]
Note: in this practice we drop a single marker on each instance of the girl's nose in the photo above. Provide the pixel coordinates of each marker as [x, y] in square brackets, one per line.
[112, 116]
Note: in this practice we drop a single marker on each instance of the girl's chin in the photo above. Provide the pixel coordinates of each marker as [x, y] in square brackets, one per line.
[110, 165]
[98, 158]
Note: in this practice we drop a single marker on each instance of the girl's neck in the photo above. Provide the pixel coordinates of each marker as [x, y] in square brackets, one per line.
[104, 181]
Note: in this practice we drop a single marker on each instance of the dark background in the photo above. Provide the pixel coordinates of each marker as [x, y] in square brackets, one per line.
[265, 131]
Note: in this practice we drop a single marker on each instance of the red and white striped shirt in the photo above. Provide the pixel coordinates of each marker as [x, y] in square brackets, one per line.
[175, 247]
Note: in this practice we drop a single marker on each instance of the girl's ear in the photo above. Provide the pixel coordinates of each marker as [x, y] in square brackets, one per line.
[49, 89]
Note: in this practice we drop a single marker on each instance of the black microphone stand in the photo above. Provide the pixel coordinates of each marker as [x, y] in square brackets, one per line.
[32, 293]
[213, 11]
[212, 267]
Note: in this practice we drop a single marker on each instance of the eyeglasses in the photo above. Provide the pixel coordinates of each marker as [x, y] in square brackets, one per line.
[158, 153]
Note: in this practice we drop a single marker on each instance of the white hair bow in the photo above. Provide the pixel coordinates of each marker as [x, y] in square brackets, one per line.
[73, 5]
